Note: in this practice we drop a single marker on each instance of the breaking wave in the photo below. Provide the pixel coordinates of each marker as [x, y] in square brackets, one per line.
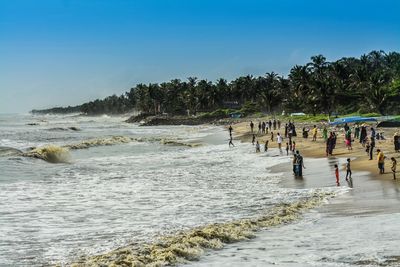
[116, 140]
[60, 154]
[190, 245]
[50, 153]
[107, 141]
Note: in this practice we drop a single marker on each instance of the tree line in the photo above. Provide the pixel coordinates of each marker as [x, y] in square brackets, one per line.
[370, 83]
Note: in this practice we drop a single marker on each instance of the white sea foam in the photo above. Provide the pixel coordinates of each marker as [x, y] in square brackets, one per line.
[114, 195]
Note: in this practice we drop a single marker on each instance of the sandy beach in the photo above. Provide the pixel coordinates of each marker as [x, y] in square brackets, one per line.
[360, 159]
[356, 228]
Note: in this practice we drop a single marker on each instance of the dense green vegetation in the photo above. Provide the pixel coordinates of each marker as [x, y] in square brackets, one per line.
[370, 83]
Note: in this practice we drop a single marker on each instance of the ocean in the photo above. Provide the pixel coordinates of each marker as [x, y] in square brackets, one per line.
[122, 185]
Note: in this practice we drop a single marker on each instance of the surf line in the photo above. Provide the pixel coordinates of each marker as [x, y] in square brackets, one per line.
[190, 245]
[60, 154]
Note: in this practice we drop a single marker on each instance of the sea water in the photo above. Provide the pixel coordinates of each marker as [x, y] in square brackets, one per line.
[110, 196]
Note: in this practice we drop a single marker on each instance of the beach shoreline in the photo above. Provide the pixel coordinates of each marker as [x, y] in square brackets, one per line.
[316, 149]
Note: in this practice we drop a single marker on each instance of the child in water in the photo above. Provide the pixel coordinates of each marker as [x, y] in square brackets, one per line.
[257, 147]
[337, 174]
[348, 170]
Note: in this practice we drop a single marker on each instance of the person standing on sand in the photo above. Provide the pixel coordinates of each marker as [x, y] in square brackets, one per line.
[294, 147]
[394, 163]
[346, 127]
[287, 149]
[337, 175]
[363, 134]
[274, 124]
[251, 126]
[329, 145]
[371, 148]
[263, 127]
[314, 133]
[381, 161]
[279, 141]
[357, 132]
[347, 139]
[272, 136]
[254, 139]
[230, 130]
[286, 130]
[270, 125]
[266, 146]
[396, 142]
[259, 127]
[348, 170]
[325, 133]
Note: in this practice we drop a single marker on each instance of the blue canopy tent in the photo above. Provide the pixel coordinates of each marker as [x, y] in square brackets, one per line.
[351, 120]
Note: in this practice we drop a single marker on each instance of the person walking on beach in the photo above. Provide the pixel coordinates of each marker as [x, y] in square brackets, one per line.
[274, 124]
[287, 149]
[337, 175]
[314, 133]
[257, 147]
[279, 141]
[230, 142]
[348, 170]
[381, 161]
[254, 139]
[230, 130]
[266, 146]
[263, 127]
[394, 163]
[259, 127]
[272, 136]
[270, 125]
[294, 147]
[251, 126]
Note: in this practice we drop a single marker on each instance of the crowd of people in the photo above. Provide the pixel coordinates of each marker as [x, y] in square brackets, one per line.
[364, 134]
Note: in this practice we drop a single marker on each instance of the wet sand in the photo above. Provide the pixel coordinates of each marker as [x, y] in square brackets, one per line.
[358, 228]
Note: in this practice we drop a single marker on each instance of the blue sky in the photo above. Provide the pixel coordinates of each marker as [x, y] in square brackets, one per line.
[65, 52]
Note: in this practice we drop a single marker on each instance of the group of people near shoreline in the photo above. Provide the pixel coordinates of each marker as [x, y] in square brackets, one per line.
[360, 133]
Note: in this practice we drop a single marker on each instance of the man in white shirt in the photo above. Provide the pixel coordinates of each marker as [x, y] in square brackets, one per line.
[279, 140]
